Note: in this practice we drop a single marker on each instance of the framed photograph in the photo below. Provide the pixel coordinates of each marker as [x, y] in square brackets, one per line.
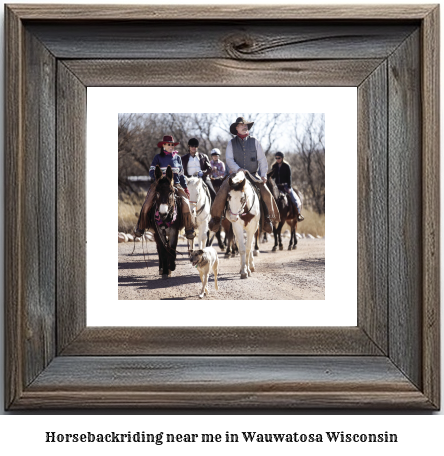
[55, 55]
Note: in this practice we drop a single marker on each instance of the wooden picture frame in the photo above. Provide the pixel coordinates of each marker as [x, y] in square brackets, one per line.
[390, 360]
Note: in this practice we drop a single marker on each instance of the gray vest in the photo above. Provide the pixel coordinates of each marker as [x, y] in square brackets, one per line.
[245, 153]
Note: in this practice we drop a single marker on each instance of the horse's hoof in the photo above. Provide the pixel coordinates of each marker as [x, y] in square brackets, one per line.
[233, 255]
[222, 247]
[255, 252]
[165, 276]
[295, 247]
[201, 296]
[169, 272]
[244, 276]
[252, 269]
[274, 248]
[281, 247]
[290, 247]
[160, 271]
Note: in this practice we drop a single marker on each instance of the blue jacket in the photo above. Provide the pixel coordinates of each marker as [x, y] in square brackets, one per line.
[176, 164]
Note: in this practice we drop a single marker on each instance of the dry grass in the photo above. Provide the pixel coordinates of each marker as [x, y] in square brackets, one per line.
[129, 205]
[313, 224]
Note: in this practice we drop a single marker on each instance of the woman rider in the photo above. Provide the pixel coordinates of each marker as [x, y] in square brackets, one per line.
[167, 156]
[281, 173]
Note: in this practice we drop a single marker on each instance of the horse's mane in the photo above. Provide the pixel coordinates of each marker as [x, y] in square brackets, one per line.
[274, 188]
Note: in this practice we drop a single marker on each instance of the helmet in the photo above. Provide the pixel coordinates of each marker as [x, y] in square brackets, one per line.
[193, 142]
[215, 152]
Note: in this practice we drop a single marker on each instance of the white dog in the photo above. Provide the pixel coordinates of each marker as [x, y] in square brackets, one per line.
[205, 260]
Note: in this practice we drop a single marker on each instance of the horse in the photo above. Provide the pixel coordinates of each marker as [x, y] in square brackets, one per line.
[243, 211]
[165, 218]
[217, 182]
[200, 198]
[287, 213]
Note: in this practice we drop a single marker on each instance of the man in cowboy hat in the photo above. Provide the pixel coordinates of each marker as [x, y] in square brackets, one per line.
[195, 162]
[245, 153]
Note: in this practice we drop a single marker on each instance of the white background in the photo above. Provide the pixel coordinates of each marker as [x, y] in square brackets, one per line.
[337, 309]
[419, 433]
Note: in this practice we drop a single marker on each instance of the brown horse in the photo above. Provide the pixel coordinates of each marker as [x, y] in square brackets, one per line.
[287, 213]
[165, 218]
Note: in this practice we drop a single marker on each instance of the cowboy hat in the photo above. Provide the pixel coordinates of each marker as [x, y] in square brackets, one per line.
[239, 120]
[167, 139]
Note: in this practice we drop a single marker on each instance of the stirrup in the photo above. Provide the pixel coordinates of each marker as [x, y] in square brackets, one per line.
[300, 217]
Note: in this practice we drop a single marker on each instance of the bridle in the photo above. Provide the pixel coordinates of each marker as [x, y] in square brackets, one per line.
[244, 203]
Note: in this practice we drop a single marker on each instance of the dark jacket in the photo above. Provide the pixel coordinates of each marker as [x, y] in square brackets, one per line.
[163, 160]
[203, 160]
[281, 175]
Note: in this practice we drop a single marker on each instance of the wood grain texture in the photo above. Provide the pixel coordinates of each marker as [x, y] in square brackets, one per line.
[220, 12]
[430, 94]
[239, 382]
[372, 207]
[39, 207]
[405, 209]
[14, 231]
[71, 206]
[137, 73]
[235, 40]
[126, 341]
[408, 377]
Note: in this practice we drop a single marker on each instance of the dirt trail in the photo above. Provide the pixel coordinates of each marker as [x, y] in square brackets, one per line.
[295, 274]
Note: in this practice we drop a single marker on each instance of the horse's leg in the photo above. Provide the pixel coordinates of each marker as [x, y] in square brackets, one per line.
[251, 234]
[164, 263]
[219, 240]
[292, 234]
[203, 234]
[238, 232]
[159, 254]
[281, 224]
[295, 226]
[174, 236]
[275, 233]
[256, 246]
[215, 270]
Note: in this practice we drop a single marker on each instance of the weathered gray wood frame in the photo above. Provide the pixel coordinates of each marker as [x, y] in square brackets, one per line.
[390, 360]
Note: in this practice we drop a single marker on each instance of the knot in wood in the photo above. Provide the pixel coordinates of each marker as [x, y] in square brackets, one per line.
[239, 46]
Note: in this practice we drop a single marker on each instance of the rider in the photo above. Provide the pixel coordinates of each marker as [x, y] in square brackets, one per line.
[245, 153]
[198, 162]
[217, 165]
[281, 173]
[167, 156]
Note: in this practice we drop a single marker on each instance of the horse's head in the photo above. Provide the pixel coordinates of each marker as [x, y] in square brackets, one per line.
[164, 191]
[195, 188]
[236, 196]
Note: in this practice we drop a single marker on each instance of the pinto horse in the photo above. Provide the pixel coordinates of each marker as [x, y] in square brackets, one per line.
[243, 211]
[165, 218]
[287, 213]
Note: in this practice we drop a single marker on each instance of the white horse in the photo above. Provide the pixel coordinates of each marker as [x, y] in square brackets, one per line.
[200, 203]
[243, 212]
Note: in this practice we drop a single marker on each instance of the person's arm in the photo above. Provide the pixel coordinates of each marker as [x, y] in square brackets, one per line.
[182, 180]
[262, 161]
[153, 166]
[232, 165]
[289, 176]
